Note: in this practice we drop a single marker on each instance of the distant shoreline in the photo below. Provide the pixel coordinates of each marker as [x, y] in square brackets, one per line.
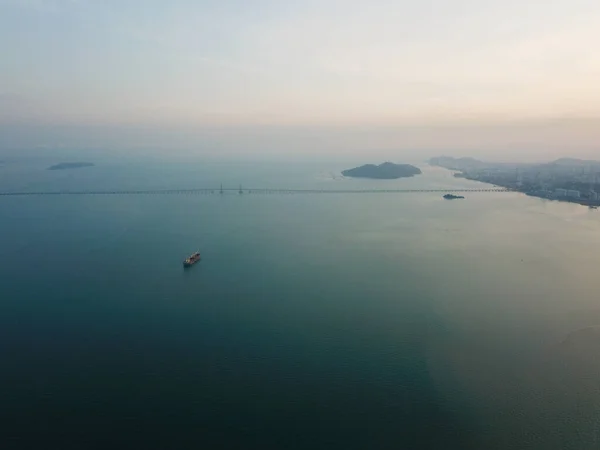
[564, 180]
[70, 165]
[579, 201]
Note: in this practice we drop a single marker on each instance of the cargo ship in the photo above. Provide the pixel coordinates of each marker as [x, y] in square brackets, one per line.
[191, 260]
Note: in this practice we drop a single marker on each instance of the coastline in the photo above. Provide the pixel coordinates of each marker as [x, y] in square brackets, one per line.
[592, 204]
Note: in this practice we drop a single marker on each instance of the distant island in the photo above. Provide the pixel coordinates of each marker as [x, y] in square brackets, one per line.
[70, 165]
[452, 197]
[565, 179]
[385, 171]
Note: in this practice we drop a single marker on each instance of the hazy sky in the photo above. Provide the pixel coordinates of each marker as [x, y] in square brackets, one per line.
[481, 67]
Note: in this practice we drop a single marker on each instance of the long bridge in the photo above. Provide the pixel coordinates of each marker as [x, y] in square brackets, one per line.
[241, 190]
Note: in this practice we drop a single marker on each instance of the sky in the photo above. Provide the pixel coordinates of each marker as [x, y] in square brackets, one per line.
[310, 76]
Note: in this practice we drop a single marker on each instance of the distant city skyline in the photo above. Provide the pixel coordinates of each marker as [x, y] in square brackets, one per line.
[342, 76]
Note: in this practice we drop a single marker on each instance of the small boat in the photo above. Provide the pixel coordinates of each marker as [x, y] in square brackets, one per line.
[191, 260]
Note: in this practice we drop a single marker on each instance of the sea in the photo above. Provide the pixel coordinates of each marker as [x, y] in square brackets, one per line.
[314, 321]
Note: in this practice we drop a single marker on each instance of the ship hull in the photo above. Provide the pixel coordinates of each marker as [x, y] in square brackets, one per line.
[193, 259]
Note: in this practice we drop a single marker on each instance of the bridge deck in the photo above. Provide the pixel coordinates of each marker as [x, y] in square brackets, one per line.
[249, 191]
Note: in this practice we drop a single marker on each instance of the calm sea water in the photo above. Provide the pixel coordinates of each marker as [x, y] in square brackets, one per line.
[369, 321]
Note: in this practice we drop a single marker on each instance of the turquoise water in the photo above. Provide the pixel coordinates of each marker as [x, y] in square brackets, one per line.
[313, 321]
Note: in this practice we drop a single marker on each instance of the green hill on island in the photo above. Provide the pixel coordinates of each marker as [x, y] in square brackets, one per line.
[385, 171]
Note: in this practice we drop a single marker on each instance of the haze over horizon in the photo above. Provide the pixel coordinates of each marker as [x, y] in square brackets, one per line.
[479, 78]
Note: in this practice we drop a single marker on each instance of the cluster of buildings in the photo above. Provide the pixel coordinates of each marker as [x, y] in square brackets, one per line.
[573, 193]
